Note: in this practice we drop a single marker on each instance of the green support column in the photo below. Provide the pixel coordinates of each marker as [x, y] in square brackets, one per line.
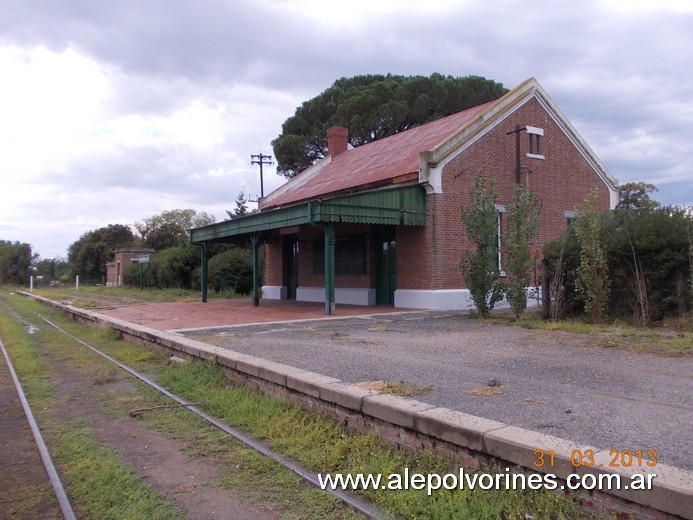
[329, 268]
[203, 281]
[255, 240]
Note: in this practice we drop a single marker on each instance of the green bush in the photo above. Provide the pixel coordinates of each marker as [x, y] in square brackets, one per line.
[593, 280]
[229, 269]
[171, 268]
[565, 250]
[232, 269]
[658, 240]
[523, 226]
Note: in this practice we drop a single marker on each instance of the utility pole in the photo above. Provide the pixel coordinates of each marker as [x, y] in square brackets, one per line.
[518, 166]
[260, 159]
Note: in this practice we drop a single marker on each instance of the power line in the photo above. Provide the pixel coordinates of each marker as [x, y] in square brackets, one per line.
[681, 174]
[660, 177]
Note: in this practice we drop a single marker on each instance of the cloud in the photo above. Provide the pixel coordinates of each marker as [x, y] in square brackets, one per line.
[44, 110]
[116, 111]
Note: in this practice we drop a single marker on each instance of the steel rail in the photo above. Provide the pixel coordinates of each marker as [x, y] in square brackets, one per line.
[61, 496]
[359, 505]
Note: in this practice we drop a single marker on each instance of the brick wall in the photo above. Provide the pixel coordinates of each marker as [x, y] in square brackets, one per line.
[560, 182]
[429, 257]
[307, 235]
[273, 260]
[414, 258]
[122, 259]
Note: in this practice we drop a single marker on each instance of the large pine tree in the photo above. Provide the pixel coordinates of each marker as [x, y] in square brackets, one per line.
[373, 107]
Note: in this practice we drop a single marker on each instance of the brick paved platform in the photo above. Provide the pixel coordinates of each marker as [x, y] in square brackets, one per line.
[219, 313]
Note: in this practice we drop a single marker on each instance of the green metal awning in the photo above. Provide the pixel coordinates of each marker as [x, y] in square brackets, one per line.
[402, 205]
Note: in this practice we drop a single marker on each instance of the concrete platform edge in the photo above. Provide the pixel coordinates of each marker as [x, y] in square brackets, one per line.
[672, 491]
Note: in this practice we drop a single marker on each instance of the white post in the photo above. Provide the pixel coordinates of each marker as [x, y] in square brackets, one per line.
[31, 283]
[77, 283]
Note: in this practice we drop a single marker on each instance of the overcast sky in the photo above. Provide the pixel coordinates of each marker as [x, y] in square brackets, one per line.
[112, 112]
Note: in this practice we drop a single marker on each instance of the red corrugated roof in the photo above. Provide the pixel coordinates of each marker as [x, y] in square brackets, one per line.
[374, 163]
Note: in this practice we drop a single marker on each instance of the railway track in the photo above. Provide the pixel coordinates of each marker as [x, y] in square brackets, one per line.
[361, 506]
[53, 477]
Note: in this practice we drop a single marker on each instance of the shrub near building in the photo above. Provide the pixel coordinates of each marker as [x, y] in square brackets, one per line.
[648, 256]
[231, 268]
[651, 247]
[172, 268]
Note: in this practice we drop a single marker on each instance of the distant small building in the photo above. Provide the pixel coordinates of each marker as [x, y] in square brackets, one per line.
[123, 257]
[380, 224]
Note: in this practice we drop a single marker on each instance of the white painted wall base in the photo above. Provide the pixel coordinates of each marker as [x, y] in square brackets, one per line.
[446, 299]
[311, 294]
[357, 296]
[274, 292]
[441, 300]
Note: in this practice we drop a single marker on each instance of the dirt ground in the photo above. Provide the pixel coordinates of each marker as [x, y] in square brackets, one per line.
[188, 481]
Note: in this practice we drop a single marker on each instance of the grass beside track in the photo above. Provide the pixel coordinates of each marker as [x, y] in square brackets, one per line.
[99, 484]
[315, 441]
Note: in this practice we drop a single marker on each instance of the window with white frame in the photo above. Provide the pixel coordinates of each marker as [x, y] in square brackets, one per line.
[535, 137]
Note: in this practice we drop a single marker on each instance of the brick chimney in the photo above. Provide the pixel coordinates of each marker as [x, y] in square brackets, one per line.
[337, 140]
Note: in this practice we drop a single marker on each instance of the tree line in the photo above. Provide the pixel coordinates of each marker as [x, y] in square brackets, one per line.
[175, 264]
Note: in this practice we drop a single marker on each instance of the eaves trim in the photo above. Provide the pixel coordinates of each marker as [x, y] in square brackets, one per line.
[402, 205]
[431, 162]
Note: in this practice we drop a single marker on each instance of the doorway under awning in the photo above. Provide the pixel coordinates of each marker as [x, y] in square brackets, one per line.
[393, 206]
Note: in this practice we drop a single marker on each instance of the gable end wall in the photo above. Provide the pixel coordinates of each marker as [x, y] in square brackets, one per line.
[560, 182]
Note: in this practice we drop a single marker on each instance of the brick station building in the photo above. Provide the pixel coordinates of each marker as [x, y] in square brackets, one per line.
[380, 224]
[123, 258]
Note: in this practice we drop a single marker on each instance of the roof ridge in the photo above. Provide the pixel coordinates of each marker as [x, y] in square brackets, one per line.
[377, 162]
